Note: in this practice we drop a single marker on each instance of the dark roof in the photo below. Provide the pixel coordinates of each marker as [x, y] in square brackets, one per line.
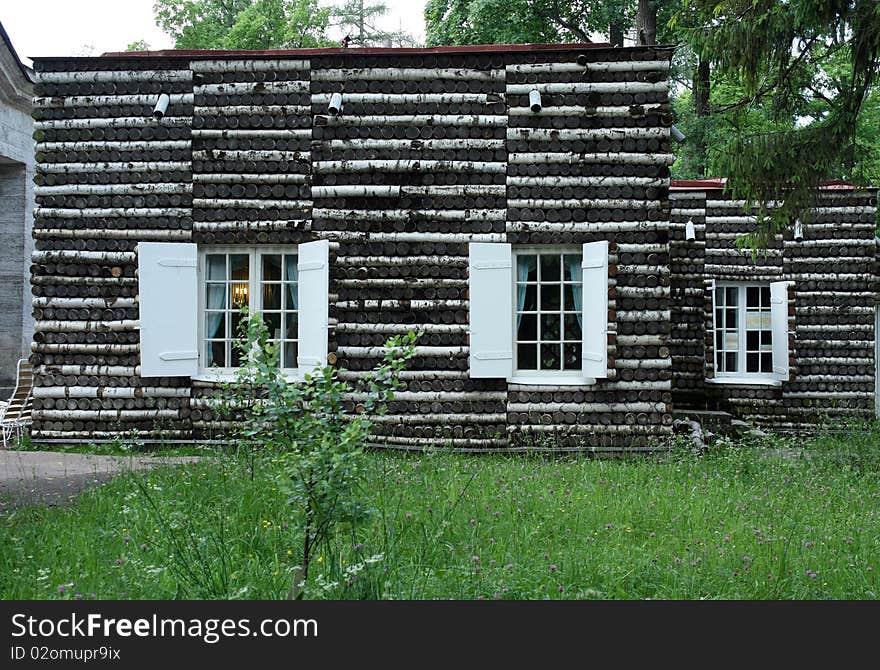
[336, 51]
[21, 66]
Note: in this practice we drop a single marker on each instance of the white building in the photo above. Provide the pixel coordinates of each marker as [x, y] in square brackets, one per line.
[16, 208]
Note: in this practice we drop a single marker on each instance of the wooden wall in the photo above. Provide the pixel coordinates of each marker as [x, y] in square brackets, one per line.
[432, 151]
[834, 296]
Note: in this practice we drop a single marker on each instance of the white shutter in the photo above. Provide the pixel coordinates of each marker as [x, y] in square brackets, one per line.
[779, 324]
[313, 267]
[595, 310]
[168, 299]
[712, 357]
[490, 287]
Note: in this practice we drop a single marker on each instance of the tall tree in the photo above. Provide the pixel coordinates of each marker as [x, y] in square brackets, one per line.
[358, 20]
[780, 52]
[243, 24]
[523, 21]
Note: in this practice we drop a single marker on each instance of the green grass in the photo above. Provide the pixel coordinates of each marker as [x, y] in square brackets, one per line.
[740, 522]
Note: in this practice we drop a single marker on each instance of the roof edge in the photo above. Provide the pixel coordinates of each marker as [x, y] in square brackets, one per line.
[714, 183]
[26, 71]
[337, 51]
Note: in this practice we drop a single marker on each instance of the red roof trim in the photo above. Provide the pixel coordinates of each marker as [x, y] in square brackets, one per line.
[718, 183]
[336, 51]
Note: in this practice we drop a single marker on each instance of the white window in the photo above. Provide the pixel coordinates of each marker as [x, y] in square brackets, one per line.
[750, 332]
[264, 279]
[191, 299]
[548, 329]
[539, 315]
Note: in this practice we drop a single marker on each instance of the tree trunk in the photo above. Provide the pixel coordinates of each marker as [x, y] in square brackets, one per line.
[615, 32]
[646, 22]
[701, 110]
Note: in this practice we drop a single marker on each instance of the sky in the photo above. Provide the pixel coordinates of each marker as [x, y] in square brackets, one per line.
[91, 27]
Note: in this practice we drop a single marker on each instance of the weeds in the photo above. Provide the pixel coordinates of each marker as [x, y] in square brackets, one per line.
[797, 520]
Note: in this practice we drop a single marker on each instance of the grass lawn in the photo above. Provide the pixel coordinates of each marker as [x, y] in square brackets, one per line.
[741, 522]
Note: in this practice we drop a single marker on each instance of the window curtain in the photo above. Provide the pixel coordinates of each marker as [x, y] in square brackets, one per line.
[216, 300]
[292, 275]
[524, 265]
[576, 273]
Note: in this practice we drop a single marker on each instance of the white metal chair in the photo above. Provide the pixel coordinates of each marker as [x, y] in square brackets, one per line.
[16, 413]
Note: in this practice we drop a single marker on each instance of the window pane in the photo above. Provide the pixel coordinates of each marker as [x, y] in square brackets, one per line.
[573, 356]
[238, 266]
[271, 267]
[239, 295]
[766, 362]
[572, 297]
[731, 340]
[572, 270]
[550, 268]
[272, 296]
[528, 328]
[215, 296]
[731, 316]
[719, 318]
[289, 355]
[719, 339]
[573, 328]
[752, 339]
[273, 323]
[235, 325]
[235, 354]
[290, 327]
[291, 297]
[550, 327]
[754, 320]
[766, 321]
[765, 296]
[527, 356]
[215, 325]
[526, 268]
[527, 296]
[550, 296]
[290, 270]
[766, 338]
[719, 296]
[215, 354]
[550, 357]
[732, 296]
[752, 364]
[216, 264]
[753, 294]
[730, 362]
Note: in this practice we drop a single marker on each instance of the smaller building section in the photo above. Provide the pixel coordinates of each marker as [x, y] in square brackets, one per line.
[784, 337]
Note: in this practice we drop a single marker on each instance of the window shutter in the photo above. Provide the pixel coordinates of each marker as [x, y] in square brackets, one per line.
[313, 266]
[709, 325]
[169, 312]
[490, 286]
[779, 325]
[595, 310]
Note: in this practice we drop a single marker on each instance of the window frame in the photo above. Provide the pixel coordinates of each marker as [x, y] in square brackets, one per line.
[741, 376]
[543, 377]
[255, 299]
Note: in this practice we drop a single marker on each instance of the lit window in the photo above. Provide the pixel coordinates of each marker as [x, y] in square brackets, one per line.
[262, 279]
[549, 311]
[743, 330]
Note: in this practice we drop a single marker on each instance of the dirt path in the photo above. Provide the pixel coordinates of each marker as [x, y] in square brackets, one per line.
[52, 478]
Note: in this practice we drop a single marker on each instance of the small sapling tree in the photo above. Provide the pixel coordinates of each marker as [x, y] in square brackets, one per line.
[315, 430]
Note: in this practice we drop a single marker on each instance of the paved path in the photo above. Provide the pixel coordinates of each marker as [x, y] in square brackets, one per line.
[52, 478]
